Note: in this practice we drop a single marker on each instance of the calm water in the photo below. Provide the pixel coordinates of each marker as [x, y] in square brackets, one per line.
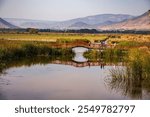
[63, 80]
[79, 54]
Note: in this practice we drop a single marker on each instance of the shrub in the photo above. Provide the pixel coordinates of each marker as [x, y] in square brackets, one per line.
[30, 50]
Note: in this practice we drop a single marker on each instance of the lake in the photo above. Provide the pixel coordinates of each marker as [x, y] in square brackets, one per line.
[79, 78]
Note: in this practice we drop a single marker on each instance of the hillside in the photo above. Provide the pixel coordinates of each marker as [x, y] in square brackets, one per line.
[92, 21]
[5, 24]
[78, 23]
[138, 23]
[29, 23]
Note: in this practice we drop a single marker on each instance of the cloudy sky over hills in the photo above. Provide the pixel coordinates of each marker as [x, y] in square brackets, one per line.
[68, 9]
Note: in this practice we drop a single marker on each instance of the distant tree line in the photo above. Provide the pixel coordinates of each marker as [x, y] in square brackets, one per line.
[92, 31]
[71, 31]
[126, 31]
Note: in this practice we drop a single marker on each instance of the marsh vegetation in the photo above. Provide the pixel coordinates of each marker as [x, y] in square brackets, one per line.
[123, 64]
[134, 78]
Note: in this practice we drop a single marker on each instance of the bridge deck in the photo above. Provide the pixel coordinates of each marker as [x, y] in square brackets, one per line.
[81, 44]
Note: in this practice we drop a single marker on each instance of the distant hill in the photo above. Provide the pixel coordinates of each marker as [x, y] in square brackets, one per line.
[97, 19]
[138, 23]
[28, 23]
[78, 23]
[5, 24]
[92, 21]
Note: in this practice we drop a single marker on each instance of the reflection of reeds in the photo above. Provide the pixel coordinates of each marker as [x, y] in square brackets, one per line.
[135, 77]
[117, 79]
[118, 73]
[108, 55]
[121, 80]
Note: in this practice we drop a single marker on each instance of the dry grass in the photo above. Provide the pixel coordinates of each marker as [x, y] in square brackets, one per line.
[131, 37]
[123, 40]
[52, 37]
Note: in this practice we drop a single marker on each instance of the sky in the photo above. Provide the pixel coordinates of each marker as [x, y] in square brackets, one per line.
[59, 10]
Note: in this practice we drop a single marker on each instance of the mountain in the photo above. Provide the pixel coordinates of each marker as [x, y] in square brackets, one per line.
[96, 19]
[138, 23]
[105, 23]
[92, 21]
[78, 23]
[102, 21]
[28, 23]
[5, 24]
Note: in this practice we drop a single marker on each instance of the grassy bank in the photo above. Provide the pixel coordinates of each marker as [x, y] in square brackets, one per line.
[16, 46]
[16, 50]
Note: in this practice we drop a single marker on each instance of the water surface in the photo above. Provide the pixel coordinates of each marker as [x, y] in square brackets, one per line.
[45, 79]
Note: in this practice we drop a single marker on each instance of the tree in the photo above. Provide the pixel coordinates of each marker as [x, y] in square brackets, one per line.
[32, 30]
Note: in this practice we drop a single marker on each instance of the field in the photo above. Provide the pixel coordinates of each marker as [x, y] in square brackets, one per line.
[43, 43]
[120, 39]
[51, 37]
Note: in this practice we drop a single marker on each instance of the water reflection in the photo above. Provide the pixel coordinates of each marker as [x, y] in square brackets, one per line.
[134, 79]
[79, 51]
[122, 79]
[57, 79]
[54, 77]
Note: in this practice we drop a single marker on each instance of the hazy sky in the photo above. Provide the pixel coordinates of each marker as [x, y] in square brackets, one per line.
[68, 9]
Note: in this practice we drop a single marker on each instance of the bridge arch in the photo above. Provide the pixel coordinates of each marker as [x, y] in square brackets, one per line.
[79, 51]
[78, 46]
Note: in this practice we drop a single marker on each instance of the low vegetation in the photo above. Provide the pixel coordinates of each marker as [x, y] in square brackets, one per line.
[131, 50]
[14, 46]
[135, 76]
[17, 50]
[122, 40]
[51, 37]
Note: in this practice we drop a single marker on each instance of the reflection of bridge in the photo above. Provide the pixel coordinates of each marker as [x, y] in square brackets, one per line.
[83, 64]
